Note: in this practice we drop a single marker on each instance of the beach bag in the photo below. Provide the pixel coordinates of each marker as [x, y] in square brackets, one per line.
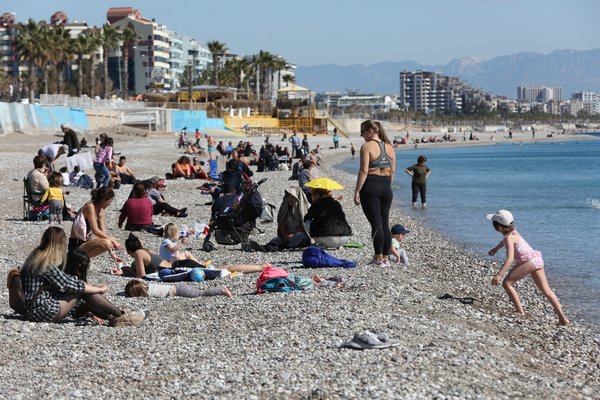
[268, 212]
[303, 282]
[39, 213]
[269, 273]
[16, 295]
[85, 182]
[79, 228]
[314, 257]
[281, 285]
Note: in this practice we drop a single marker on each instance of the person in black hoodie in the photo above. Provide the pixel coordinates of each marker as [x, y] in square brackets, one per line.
[326, 221]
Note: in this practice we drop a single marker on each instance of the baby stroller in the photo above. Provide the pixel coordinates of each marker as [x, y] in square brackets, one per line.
[233, 227]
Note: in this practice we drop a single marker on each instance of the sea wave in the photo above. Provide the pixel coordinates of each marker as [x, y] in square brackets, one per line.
[593, 203]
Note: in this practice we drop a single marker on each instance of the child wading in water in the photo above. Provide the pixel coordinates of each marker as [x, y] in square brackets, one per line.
[526, 261]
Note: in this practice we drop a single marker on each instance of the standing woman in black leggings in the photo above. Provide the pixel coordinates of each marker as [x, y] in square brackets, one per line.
[374, 187]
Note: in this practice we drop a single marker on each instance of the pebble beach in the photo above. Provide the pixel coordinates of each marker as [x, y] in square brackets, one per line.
[458, 336]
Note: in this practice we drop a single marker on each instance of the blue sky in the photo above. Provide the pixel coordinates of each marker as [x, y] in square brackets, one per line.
[345, 32]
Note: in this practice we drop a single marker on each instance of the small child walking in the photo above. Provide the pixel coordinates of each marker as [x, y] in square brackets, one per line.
[169, 248]
[139, 288]
[524, 261]
[55, 197]
[398, 254]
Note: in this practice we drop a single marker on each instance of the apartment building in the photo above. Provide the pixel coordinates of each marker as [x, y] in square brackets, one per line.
[590, 101]
[150, 53]
[9, 65]
[539, 94]
[428, 92]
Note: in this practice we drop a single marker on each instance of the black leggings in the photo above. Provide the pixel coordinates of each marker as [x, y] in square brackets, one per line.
[419, 188]
[376, 200]
[166, 207]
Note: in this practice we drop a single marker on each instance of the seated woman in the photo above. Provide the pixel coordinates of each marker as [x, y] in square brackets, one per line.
[146, 262]
[197, 169]
[290, 223]
[88, 231]
[183, 168]
[325, 220]
[50, 293]
[137, 210]
[159, 204]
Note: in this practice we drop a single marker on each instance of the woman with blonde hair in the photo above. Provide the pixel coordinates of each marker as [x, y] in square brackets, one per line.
[374, 187]
[50, 293]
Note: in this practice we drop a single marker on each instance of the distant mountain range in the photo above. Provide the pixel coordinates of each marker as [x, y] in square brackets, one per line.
[570, 69]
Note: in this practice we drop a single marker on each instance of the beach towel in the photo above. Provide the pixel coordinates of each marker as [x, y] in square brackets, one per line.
[314, 257]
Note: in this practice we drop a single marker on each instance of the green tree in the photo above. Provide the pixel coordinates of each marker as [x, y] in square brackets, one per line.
[287, 78]
[262, 62]
[217, 49]
[129, 38]
[110, 39]
[30, 47]
[61, 49]
[279, 64]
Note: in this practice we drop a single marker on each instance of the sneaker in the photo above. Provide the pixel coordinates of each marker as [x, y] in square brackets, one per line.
[129, 318]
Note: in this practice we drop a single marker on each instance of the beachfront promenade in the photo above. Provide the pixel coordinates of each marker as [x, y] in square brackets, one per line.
[284, 345]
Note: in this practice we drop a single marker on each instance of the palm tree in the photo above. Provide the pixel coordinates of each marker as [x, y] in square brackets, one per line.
[95, 42]
[29, 44]
[82, 48]
[129, 38]
[262, 62]
[278, 65]
[110, 39]
[61, 47]
[217, 49]
[287, 78]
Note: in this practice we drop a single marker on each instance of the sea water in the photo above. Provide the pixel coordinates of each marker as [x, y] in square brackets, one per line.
[552, 189]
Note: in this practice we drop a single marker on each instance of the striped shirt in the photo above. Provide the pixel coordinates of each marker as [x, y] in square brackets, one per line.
[56, 284]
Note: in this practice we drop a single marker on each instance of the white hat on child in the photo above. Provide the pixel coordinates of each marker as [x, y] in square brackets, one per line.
[503, 217]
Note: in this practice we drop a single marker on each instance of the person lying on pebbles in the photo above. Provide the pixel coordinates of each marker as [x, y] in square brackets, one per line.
[140, 288]
[146, 262]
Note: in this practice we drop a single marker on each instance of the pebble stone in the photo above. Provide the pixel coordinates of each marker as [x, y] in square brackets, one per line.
[285, 345]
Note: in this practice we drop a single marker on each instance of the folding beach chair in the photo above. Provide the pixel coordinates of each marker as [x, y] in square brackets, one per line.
[32, 210]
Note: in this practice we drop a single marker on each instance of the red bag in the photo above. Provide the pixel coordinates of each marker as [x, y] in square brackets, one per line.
[269, 273]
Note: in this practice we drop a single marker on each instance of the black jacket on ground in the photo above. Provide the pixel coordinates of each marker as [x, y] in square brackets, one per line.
[328, 218]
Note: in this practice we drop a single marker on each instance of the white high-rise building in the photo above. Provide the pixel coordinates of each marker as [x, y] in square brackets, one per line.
[540, 94]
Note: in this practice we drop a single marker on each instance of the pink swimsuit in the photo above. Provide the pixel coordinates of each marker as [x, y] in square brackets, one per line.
[524, 253]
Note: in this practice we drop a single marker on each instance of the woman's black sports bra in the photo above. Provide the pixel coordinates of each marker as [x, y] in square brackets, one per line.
[383, 161]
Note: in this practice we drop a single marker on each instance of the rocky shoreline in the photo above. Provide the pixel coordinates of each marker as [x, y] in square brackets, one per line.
[284, 345]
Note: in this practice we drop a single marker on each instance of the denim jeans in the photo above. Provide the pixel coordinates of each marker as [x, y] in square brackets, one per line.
[103, 175]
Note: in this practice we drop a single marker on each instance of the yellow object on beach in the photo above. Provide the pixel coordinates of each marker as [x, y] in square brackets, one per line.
[324, 183]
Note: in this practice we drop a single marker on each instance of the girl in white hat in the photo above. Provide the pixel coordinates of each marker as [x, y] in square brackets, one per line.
[524, 261]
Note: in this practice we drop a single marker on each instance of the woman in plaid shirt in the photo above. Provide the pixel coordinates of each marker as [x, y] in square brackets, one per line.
[50, 293]
[104, 154]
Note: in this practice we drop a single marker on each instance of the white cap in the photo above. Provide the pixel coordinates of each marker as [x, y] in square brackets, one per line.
[503, 217]
[65, 126]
